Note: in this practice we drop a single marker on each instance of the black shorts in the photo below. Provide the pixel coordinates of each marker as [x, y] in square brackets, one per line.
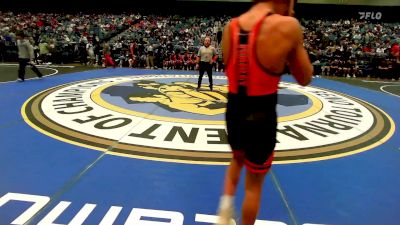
[251, 124]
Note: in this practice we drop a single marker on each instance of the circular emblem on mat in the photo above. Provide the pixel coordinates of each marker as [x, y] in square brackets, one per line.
[163, 117]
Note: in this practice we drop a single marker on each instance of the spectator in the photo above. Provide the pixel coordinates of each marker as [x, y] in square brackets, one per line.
[25, 56]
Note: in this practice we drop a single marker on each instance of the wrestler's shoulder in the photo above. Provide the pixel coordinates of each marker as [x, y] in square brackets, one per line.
[285, 21]
[284, 25]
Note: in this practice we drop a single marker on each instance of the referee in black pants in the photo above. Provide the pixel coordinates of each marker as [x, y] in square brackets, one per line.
[205, 59]
[25, 56]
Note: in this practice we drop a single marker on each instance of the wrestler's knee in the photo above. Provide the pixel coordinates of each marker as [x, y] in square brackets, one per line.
[239, 156]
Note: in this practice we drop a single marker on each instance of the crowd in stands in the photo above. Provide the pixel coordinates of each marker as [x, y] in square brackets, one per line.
[346, 48]
[60, 38]
[166, 42]
[349, 48]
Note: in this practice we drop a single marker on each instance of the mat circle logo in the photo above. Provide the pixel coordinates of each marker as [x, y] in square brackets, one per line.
[163, 117]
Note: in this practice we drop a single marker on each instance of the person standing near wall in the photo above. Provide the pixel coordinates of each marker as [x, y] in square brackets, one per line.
[25, 56]
[108, 60]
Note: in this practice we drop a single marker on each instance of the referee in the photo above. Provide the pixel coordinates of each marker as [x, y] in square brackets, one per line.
[206, 57]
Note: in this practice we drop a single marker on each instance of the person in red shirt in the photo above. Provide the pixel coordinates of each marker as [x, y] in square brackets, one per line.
[395, 49]
[193, 60]
[186, 60]
[108, 60]
[257, 46]
[367, 49]
[172, 60]
[39, 23]
[179, 61]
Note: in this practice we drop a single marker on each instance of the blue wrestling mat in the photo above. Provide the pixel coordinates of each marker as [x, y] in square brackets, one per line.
[142, 147]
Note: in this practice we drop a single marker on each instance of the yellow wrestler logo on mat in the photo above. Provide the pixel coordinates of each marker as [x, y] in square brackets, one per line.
[182, 96]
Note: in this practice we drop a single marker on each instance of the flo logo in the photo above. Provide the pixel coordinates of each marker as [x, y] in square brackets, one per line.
[162, 117]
